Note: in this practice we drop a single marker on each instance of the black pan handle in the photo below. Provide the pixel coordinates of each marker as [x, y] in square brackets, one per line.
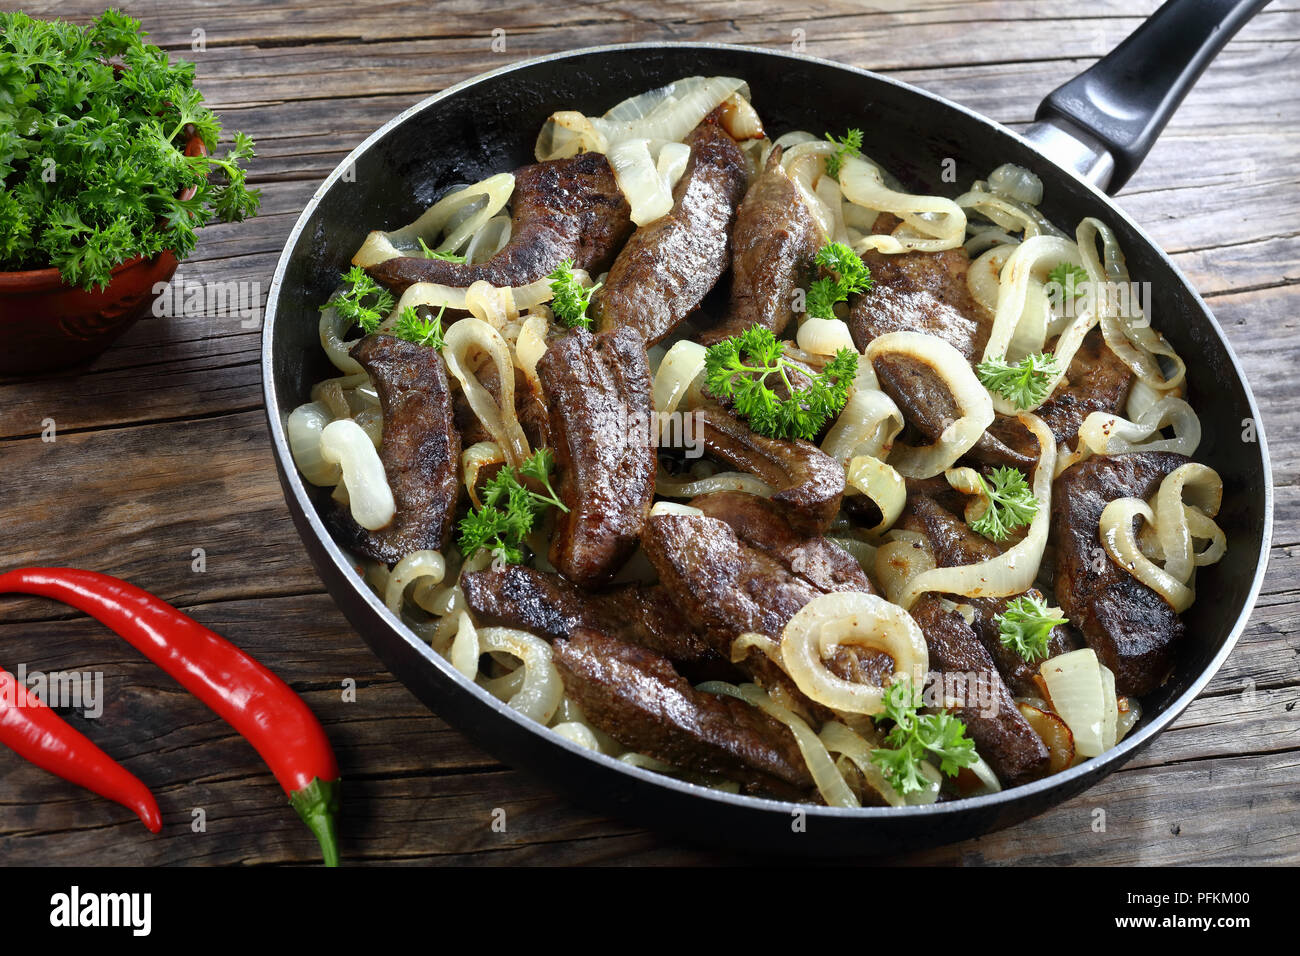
[1125, 99]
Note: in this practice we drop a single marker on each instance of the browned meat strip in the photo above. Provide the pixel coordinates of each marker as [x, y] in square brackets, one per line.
[928, 405]
[1097, 381]
[597, 390]
[954, 544]
[920, 292]
[1001, 734]
[635, 696]
[669, 265]
[761, 524]
[1131, 627]
[420, 450]
[552, 607]
[773, 246]
[808, 482]
[561, 209]
[926, 292]
[727, 586]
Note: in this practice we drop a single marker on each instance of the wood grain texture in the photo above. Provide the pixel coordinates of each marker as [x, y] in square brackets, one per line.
[161, 447]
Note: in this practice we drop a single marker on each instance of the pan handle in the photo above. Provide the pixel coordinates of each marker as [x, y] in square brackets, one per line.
[1103, 122]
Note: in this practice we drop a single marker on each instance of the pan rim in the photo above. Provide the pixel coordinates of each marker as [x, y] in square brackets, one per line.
[1067, 782]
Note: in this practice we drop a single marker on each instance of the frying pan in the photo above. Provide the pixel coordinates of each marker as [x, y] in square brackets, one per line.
[1092, 132]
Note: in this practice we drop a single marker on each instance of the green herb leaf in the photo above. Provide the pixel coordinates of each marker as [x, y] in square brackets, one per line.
[1026, 626]
[850, 142]
[510, 509]
[1011, 503]
[850, 275]
[1069, 279]
[91, 161]
[411, 327]
[365, 302]
[570, 298]
[1026, 384]
[738, 368]
[916, 736]
[435, 254]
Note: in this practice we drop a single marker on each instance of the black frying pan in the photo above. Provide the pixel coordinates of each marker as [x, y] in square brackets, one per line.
[1099, 125]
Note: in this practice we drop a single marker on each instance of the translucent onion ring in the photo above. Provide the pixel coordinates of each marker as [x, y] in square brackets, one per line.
[541, 691]
[882, 484]
[863, 184]
[1027, 265]
[1130, 337]
[1105, 434]
[1178, 523]
[840, 739]
[1013, 571]
[850, 618]
[867, 425]
[1120, 541]
[671, 487]
[473, 460]
[370, 499]
[971, 398]
[680, 367]
[416, 565]
[304, 428]
[494, 192]
[500, 420]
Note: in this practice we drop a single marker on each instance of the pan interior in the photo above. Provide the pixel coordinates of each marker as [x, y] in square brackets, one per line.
[490, 126]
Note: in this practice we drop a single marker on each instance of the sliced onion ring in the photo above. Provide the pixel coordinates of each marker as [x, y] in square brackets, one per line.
[857, 619]
[971, 398]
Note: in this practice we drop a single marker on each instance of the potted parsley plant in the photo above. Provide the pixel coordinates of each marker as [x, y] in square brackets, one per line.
[108, 168]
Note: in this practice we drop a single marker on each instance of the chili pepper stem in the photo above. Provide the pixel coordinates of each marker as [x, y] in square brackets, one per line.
[318, 805]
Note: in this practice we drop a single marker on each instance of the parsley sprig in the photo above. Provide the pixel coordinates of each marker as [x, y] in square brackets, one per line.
[1026, 626]
[570, 298]
[91, 159]
[849, 275]
[1025, 383]
[916, 736]
[1068, 279]
[850, 142]
[1011, 503]
[510, 509]
[365, 302]
[738, 368]
[411, 327]
[435, 254]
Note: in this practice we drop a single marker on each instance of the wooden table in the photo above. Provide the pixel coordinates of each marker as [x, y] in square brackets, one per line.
[161, 447]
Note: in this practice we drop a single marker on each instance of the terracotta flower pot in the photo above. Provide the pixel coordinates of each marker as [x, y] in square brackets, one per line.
[46, 324]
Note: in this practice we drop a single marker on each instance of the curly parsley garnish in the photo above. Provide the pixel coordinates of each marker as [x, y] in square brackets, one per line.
[850, 275]
[510, 509]
[435, 254]
[1026, 626]
[365, 302]
[1068, 279]
[1026, 383]
[1011, 503]
[738, 369]
[92, 161]
[915, 736]
[570, 297]
[411, 327]
[850, 142]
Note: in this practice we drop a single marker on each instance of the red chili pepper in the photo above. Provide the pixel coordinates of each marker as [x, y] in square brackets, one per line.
[262, 707]
[35, 732]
